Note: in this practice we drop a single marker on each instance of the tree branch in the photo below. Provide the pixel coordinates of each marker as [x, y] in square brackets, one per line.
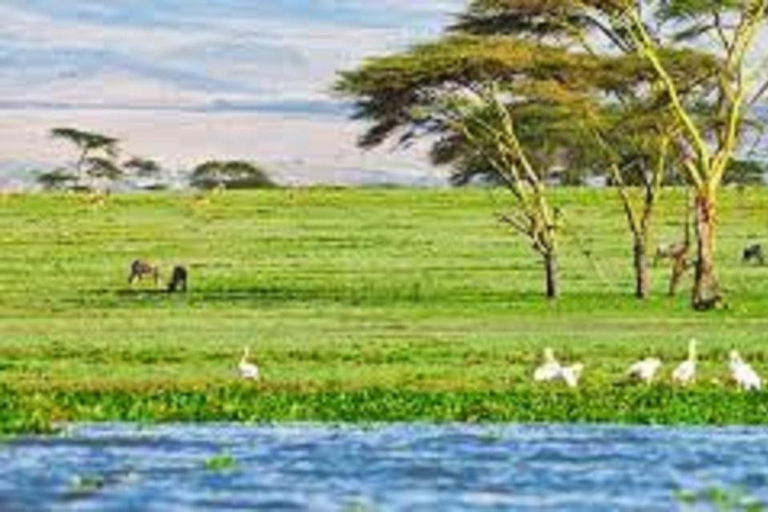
[648, 48]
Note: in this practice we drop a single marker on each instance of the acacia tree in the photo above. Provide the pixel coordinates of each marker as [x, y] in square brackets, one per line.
[142, 167]
[637, 161]
[235, 174]
[540, 97]
[145, 173]
[708, 148]
[57, 179]
[476, 96]
[97, 156]
[570, 107]
[486, 123]
[709, 129]
[636, 148]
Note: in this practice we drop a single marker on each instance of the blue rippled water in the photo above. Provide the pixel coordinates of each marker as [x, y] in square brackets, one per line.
[397, 467]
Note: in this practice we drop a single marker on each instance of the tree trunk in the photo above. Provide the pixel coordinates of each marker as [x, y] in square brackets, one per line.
[642, 273]
[706, 288]
[552, 273]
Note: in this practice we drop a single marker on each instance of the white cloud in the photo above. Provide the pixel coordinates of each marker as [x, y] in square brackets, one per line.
[295, 148]
[174, 53]
[260, 55]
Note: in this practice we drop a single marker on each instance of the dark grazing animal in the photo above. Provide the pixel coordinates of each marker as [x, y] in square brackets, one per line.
[178, 282]
[141, 269]
[753, 253]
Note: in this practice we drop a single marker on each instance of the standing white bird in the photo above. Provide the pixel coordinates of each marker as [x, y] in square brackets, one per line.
[685, 373]
[572, 374]
[248, 370]
[550, 370]
[644, 370]
[745, 377]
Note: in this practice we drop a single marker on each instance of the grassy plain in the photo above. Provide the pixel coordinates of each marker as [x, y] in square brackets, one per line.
[372, 305]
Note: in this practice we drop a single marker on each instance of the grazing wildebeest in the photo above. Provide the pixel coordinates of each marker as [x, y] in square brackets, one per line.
[753, 253]
[141, 269]
[178, 281]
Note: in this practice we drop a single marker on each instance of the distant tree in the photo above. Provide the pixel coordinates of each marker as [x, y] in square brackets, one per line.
[57, 179]
[142, 167]
[97, 156]
[104, 168]
[145, 173]
[745, 172]
[230, 175]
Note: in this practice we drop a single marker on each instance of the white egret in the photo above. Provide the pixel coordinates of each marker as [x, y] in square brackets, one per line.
[685, 373]
[550, 370]
[248, 370]
[572, 374]
[745, 377]
[644, 370]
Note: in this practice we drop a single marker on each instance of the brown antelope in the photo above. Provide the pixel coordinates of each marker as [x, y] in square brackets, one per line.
[678, 254]
[141, 269]
[671, 252]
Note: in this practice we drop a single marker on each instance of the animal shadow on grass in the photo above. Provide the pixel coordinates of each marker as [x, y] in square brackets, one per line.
[362, 294]
[106, 297]
[351, 295]
[113, 298]
[266, 296]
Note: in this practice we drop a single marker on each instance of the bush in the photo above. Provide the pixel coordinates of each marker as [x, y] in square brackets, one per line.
[745, 172]
[230, 175]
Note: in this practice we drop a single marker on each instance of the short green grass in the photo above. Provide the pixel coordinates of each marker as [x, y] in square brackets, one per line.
[359, 305]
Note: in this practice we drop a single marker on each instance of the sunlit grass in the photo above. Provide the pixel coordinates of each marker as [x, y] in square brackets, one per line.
[418, 297]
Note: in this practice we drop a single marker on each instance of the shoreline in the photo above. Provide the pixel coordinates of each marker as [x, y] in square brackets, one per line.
[41, 411]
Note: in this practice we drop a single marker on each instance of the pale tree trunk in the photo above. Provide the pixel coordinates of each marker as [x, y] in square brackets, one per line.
[706, 287]
[532, 216]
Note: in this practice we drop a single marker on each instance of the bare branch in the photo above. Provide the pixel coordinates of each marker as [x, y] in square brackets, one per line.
[649, 50]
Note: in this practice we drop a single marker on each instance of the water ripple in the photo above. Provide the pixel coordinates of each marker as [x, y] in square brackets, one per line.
[395, 467]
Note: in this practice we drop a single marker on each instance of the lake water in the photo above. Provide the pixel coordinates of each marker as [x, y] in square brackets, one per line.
[396, 467]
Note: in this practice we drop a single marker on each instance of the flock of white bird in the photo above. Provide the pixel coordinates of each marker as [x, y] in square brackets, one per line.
[646, 370]
[247, 369]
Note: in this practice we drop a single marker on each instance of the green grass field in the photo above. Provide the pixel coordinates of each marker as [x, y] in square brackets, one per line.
[359, 305]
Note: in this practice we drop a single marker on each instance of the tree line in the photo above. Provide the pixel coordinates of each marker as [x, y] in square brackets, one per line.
[99, 164]
[646, 93]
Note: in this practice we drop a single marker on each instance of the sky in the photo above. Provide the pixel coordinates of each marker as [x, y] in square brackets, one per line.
[183, 81]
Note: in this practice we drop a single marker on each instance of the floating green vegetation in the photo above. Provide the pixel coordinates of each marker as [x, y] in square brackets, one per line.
[359, 505]
[720, 499]
[222, 462]
[648, 406]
